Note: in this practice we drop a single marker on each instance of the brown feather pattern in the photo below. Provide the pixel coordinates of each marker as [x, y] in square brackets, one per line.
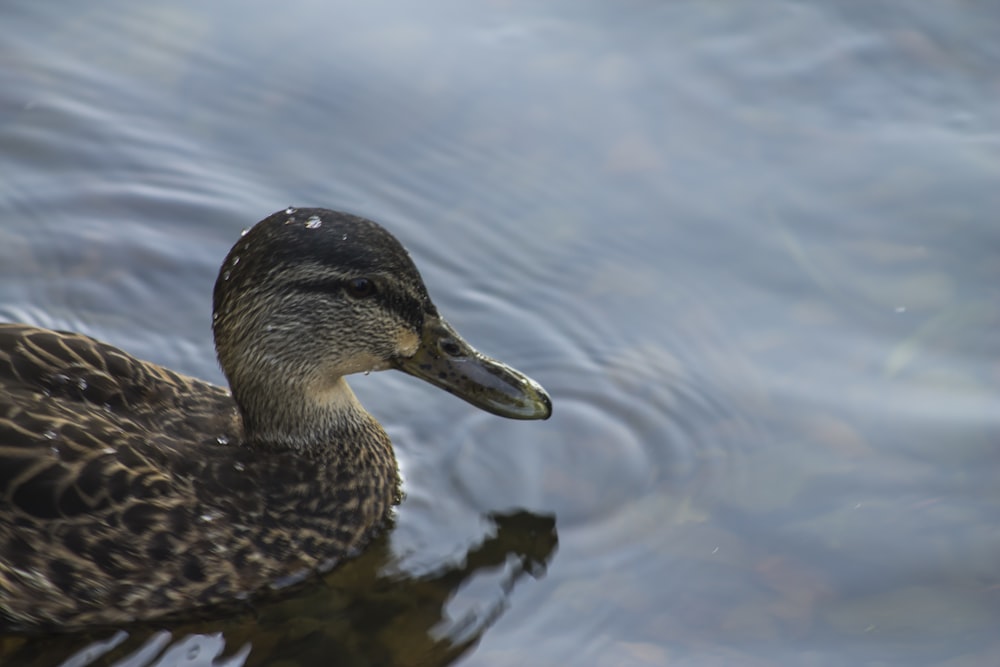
[127, 492]
[130, 492]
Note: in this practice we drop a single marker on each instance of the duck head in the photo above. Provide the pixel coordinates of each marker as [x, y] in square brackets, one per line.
[308, 296]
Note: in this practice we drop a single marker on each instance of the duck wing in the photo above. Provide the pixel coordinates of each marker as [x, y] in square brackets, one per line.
[84, 425]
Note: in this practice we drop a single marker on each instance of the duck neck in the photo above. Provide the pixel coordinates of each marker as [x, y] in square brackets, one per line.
[319, 420]
[323, 456]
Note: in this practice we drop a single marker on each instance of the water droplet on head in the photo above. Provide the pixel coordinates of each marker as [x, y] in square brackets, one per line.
[239, 467]
[244, 231]
[236, 260]
[344, 237]
[50, 434]
[222, 440]
[215, 315]
[290, 210]
[81, 384]
[225, 275]
[313, 222]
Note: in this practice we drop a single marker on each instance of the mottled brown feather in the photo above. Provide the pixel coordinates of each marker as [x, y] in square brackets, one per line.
[113, 472]
[130, 492]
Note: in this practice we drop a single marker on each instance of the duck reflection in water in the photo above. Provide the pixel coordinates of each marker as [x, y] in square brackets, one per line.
[358, 614]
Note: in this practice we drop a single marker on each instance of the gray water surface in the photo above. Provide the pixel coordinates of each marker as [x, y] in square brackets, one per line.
[751, 249]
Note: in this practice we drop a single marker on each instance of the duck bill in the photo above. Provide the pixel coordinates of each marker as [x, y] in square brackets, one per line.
[445, 360]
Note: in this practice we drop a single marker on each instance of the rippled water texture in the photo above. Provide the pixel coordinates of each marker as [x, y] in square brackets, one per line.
[750, 248]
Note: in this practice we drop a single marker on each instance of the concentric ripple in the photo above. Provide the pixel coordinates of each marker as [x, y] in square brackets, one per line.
[623, 428]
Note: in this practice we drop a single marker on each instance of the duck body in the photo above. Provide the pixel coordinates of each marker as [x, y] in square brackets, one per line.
[129, 489]
[129, 492]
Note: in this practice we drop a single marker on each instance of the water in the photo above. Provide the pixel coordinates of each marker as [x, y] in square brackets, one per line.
[750, 249]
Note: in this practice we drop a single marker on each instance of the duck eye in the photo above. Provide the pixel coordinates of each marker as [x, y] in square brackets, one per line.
[360, 287]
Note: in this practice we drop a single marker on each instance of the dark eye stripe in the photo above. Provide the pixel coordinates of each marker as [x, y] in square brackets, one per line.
[403, 305]
[409, 309]
[323, 286]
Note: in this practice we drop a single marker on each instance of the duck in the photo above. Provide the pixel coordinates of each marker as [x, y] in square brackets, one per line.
[131, 493]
